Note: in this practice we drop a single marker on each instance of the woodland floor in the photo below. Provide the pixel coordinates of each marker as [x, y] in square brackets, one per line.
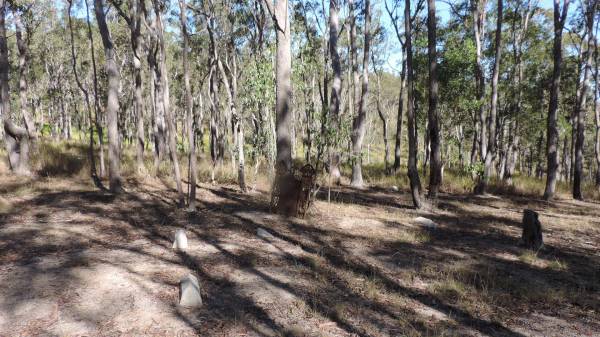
[76, 261]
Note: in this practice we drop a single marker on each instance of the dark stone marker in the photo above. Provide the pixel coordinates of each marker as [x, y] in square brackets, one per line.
[532, 230]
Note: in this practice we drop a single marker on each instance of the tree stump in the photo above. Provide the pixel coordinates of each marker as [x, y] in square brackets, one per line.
[532, 230]
[292, 191]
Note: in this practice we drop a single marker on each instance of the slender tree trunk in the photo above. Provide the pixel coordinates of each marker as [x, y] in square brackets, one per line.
[88, 106]
[358, 127]
[552, 126]
[413, 173]
[336, 91]
[237, 121]
[479, 12]
[112, 105]
[97, 109]
[353, 58]
[168, 114]
[398, 145]
[435, 173]
[383, 117]
[491, 120]
[581, 103]
[189, 108]
[137, 9]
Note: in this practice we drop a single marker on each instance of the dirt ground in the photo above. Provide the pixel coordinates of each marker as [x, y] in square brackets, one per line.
[75, 261]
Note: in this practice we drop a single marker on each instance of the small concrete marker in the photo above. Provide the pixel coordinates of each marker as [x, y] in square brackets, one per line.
[264, 234]
[394, 188]
[180, 242]
[189, 292]
[427, 223]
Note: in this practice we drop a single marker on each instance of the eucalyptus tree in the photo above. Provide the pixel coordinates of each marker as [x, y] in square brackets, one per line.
[134, 18]
[359, 122]
[394, 18]
[283, 65]
[589, 8]
[560, 16]
[112, 104]
[413, 173]
[435, 174]
[479, 16]
[16, 138]
[336, 87]
[491, 119]
[189, 106]
[23, 50]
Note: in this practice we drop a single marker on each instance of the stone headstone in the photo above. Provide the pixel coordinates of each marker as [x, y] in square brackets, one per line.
[532, 230]
[180, 242]
[264, 234]
[189, 292]
[427, 223]
[394, 188]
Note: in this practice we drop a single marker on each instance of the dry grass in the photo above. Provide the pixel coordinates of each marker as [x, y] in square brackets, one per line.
[357, 266]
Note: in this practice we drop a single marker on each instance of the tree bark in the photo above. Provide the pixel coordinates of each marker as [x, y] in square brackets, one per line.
[283, 83]
[137, 7]
[413, 173]
[165, 98]
[479, 12]
[189, 108]
[358, 125]
[336, 91]
[112, 105]
[435, 173]
[552, 126]
[398, 145]
[491, 120]
[23, 68]
[383, 118]
[580, 104]
[97, 109]
[16, 139]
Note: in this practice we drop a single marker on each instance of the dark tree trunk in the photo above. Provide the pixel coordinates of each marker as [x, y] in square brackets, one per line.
[398, 145]
[336, 90]
[435, 173]
[413, 173]
[552, 126]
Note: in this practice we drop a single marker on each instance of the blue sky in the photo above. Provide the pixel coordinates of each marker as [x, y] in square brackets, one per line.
[444, 14]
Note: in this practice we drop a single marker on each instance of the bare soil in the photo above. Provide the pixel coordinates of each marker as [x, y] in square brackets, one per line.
[75, 261]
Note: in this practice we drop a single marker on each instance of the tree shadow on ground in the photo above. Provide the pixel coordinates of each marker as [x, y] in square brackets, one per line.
[327, 274]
